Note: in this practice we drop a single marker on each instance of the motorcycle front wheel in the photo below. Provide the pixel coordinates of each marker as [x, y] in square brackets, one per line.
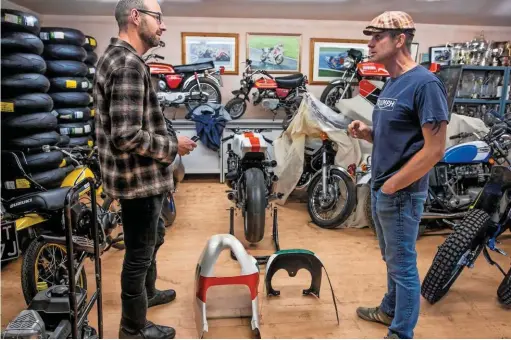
[45, 265]
[332, 93]
[255, 205]
[236, 107]
[330, 213]
[464, 244]
[504, 290]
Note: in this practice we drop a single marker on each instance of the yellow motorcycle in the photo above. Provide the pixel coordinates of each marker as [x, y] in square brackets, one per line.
[38, 215]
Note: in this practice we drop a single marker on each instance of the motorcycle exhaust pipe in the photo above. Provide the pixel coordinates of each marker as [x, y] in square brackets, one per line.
[231, 196]
[434, 216]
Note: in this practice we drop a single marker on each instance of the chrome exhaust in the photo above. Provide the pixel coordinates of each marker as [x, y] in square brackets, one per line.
[434, 216]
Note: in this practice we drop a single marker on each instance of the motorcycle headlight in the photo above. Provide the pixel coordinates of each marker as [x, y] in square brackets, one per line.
[348, 62]
[162, 85]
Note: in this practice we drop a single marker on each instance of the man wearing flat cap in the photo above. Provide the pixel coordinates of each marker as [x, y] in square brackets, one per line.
[408, 134]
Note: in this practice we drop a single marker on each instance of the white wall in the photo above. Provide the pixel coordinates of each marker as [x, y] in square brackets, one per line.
[103, 28]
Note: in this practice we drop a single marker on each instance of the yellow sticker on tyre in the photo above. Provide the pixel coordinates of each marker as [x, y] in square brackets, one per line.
[90, 143]
[22, 183]
[71, 84]
[7, 107]
[92, 42]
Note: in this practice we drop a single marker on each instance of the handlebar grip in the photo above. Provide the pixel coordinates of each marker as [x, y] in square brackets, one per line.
[158, 56]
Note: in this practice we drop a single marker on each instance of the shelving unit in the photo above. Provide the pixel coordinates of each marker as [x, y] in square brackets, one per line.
[452, 77]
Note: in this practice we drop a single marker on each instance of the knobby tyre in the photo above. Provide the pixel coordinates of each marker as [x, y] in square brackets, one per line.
[504, 290]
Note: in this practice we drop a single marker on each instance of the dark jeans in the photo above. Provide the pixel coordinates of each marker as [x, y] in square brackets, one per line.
[144, 233]
[396, 218]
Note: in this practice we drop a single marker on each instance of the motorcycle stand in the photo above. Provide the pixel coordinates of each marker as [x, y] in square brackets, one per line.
[261, 260]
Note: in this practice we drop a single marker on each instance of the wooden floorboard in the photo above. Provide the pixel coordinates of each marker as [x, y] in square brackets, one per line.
[351, 257]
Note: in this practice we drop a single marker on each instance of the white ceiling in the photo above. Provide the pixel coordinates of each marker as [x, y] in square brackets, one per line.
[458, 12]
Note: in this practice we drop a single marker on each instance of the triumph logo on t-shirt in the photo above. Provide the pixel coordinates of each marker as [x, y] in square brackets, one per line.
[386, 104]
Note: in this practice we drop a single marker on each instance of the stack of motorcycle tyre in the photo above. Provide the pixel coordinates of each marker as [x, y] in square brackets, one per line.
[67, 72]
[91, 60]
[29, 120]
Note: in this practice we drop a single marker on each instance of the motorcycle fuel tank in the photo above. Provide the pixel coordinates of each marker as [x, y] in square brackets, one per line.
[470, 152]
[369, 69]
[248, 142]
[160, 68]
[265, 83]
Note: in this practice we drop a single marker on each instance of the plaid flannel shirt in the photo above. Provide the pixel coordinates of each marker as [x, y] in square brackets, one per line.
[134, 147]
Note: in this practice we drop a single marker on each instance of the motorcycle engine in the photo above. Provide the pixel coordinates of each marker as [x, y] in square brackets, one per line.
[270, 104]
[170, 98]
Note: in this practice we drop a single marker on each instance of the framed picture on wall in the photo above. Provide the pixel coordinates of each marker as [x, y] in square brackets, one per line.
[326, 59]
[275, 52]
[440, 55]
[415, 51]
[221, 48]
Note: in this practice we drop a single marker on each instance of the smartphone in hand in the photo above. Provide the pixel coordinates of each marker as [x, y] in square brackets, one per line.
[195, 138]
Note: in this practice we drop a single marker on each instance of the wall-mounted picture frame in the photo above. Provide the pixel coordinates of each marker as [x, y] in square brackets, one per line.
[221, 48]
[415, 51]
[275, 52]
[326, 58]
[440, 54]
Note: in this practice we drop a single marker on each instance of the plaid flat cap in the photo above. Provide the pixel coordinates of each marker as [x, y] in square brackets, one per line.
[390, 20]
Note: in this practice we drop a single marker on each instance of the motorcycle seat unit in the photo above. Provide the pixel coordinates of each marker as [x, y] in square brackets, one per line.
[196, 67]
[205, 278]
[292, 260]
[290, 82]
[41, 201]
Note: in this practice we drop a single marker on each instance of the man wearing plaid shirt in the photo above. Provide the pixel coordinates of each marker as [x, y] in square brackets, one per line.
[408, 135]
[135, 154]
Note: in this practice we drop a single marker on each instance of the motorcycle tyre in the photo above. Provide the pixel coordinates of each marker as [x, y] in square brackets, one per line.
[203, 81]
[88, 46]
[66, 68]
[70, 99]
[28, 283]
[8, 26]
[330, 87]
[23, 63]
[78, 129]
[71, 36]
[79, 141]
[348, 209]
[51, 179]
[44, 161]
[33, 141]
[24, 125]
[21, 42]
[78, 114]
[235, 101]
[69, 84]
[30, 103]
[64, 52]
[504, 290]
[21, 83]
[255, 199]
[466, 237]
[91, 59]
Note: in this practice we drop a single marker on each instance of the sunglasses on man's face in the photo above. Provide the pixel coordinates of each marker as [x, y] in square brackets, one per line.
[156, 15]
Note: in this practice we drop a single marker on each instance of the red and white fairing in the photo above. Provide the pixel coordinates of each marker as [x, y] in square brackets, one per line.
[246, 142]
[205, 277]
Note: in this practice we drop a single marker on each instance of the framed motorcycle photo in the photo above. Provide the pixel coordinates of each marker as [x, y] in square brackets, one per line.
[221, 48]
[275, 52]
[329, 59]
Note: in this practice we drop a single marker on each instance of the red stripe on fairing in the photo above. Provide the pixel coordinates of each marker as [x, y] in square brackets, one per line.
[251, 280]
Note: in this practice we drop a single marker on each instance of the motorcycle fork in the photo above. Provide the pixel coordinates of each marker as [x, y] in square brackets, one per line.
[324, 169]
[347, 84]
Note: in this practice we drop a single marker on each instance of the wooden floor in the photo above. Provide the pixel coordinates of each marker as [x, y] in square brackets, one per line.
[351, 257]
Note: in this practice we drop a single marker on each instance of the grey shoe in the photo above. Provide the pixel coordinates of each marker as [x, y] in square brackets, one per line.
[375, 315]
[392, 336]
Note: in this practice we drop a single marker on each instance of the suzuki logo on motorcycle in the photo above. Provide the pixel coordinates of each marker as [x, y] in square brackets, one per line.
[20, 203]
[386, 104]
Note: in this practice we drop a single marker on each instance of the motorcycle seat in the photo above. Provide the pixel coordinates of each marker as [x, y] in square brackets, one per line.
[50, 200]
[289, 82]
[196, 67]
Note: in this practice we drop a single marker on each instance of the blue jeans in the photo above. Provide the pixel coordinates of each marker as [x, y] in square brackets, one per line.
[396, 218]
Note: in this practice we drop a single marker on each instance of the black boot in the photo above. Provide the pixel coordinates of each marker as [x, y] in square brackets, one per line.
[150, 331]
[156, 297]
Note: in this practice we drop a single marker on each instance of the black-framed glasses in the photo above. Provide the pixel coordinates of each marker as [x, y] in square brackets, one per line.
[156, 15]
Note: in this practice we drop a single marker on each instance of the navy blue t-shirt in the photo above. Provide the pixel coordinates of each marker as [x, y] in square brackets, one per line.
[406, 103]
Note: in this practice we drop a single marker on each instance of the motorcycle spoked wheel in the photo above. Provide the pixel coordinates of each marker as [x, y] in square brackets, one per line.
[255, 205]
[208, 86]
[236, 107]
[114, 219]
[332, 92]
[504, 290]
[466, 240]
[36, 274]
[314, 201]
[279, 59]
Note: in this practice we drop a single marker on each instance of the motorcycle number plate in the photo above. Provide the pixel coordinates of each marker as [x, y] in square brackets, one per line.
[10, 248]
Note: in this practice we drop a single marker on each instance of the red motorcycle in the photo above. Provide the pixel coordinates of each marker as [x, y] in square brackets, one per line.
[354, 68]
[272, 93]
[190, 84]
